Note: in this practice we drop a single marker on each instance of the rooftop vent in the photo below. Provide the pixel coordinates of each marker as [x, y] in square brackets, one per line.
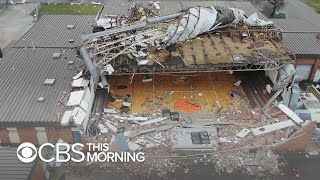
[70, 26]
[237, 57]
[56, 55]
[49, 82]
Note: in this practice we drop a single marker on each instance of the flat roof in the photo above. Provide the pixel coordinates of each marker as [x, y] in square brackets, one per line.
[300, 36]
[121, 7]
[52, 31]
[22, 75]
[11, 167]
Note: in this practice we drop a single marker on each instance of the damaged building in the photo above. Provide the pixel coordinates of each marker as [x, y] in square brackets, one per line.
[211, 80]
[212, 77]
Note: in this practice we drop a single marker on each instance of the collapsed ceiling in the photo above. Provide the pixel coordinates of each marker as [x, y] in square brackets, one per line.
[197, 39]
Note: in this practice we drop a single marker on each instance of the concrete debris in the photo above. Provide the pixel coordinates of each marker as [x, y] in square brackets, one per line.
[84, 105]
[112, 127]
[155, 4]
[66, 118]
[78, 116]
[80, 82]
[237, 83]
[313, 153]
[195, 139]
[132, 118]
[141, 132]
[243, 133]
[272, 127]
[77, 76]
[110, 111]
[133, 146]
[75, 98]
[292, 115]
[142, 62]
[225, 140]
[103, 129]
[126, 104]
[153, 121]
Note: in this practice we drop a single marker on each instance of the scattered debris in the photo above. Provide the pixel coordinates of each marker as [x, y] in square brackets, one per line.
[110, 111]
[236, 94]
[103, 129]
[225, 140]
[77, 76]
[66, 118]
[243, 133]
[110, 126]
[153, 121]
[75, 98]
[237, 83]
[78, 116]
[272, 127]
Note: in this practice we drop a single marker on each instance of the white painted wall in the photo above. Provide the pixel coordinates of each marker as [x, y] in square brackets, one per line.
[13, 135]
[303, 70]
[41, 135]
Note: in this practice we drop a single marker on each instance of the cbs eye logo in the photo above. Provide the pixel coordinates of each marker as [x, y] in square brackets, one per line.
[26, 152]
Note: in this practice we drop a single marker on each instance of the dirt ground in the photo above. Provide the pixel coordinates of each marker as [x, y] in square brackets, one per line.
[15, 20]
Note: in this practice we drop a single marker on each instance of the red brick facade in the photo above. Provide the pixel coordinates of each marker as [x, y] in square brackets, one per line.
[298, 141]
[64, 133]
[28, 135]
[37, 172]
[4, 136]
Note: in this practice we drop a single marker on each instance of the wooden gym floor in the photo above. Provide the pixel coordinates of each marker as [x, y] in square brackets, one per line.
[200, 93]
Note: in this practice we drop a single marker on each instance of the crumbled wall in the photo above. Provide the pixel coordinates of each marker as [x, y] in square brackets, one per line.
[298, 141]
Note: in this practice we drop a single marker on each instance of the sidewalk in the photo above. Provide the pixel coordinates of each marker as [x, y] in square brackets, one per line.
[15, 20]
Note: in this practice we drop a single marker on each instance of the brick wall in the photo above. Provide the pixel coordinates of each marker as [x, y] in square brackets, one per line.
[4, 136]
[298, 141]
[28, 135]
[37, 172]
[63, 133]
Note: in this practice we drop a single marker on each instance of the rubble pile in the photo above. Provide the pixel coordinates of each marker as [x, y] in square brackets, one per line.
[138, 12]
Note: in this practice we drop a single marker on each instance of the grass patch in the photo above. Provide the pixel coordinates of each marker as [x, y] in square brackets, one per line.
[314, 92]
[315, 4]
[75, 9]
[309, 88]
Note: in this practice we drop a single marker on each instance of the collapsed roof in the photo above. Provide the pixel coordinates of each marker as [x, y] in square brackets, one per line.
[200, 38]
